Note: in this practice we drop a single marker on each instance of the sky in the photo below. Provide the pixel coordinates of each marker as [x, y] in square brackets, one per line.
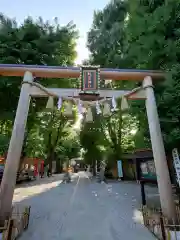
[78, 11]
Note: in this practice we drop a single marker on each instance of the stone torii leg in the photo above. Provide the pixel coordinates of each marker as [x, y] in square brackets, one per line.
[14, 152]
[163, 177]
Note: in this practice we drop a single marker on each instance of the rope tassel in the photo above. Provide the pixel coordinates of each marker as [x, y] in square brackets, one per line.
[114, 105]
[98, 109]
[80, 109]
[59, 104]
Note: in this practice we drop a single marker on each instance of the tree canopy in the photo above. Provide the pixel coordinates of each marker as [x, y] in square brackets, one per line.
[37, 43]
[125, 34]
[142, 35]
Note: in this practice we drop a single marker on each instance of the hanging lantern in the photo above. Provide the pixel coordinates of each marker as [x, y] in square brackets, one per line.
[68, 109]
[50, 103]
[106, 110]
[98, 109]
[124, 103]
[89, 116]
[59, 104]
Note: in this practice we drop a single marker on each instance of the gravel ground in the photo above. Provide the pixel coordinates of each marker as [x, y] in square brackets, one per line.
[82, 209]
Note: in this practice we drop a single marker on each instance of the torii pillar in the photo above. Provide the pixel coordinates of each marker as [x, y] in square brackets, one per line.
[14, 152]
[163, 177]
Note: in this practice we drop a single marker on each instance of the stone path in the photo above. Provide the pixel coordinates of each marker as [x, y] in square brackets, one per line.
[83, 210]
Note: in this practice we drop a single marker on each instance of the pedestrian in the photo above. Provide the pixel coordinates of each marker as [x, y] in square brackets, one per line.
[67, 177]
[102, 177]
[41, 173]
[42, 169]
[49, 172]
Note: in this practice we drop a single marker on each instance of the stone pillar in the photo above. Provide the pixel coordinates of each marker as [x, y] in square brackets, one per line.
[14, 152]
[163, 177]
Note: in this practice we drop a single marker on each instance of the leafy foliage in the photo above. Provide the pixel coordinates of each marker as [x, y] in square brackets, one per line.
[145, 35]
[142, 34]
[152, 35]
[38, 43]
[106, 41]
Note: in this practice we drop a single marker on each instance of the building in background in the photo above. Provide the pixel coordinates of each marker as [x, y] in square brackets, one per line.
[140, 165]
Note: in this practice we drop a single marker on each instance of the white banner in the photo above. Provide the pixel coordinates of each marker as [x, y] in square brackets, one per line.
[120, 169]
[176, 162]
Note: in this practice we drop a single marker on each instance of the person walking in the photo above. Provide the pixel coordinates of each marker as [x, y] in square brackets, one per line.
[102, 172]
[42, 169]
[67, 177]
[49, 172]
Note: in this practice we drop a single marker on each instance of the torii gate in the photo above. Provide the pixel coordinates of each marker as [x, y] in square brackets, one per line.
[29, 89]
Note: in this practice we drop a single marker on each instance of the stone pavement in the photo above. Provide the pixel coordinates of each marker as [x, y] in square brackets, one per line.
[82, 210]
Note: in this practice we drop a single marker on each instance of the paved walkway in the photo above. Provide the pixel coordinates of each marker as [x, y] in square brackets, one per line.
[82, 210]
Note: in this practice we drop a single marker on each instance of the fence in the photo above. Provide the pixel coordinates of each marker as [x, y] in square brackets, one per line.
[159, 225]
[18, 223]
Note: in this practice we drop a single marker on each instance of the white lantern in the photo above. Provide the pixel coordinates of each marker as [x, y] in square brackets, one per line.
[50, 103]
[59, 104]
[106, 110]
[124, 103]
[89, 116]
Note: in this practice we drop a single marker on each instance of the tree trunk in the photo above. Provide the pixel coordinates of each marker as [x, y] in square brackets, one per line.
[52, 144]
[50, 158]
[58, 165]
[94, 167]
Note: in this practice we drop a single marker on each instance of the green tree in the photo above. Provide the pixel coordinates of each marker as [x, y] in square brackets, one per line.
[106, 37]
[152, 35]
[34, 42]
[147, 38]
[106, 42]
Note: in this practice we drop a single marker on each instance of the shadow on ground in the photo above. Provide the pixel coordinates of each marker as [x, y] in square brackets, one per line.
[40, 180]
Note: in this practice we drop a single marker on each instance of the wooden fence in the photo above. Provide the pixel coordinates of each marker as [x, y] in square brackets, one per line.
[17, 224]
[159, 225]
